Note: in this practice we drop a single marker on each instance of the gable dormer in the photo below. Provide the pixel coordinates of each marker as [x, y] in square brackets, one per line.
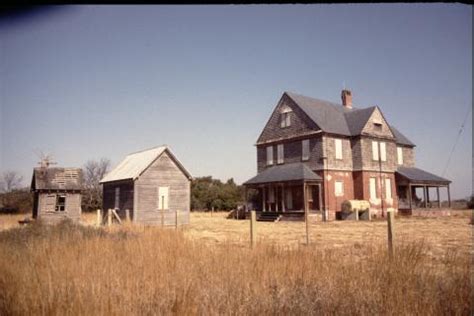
[377, 126]
[286, 121]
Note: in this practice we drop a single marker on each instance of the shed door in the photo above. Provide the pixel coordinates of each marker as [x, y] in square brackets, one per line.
[163, 195]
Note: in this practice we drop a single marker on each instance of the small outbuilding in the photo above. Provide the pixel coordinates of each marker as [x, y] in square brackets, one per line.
[152, 185]
[57, 194]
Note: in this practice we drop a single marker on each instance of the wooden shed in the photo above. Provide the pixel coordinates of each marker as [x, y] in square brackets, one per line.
[152, 185]
[57, 194]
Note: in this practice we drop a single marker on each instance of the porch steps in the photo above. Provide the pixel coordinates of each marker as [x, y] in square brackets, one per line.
[269, 217]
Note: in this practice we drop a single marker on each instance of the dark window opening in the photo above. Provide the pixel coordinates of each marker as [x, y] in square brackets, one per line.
[378, 126]
[60, 203]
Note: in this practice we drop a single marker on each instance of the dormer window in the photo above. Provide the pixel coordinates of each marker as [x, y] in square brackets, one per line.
[285, 118]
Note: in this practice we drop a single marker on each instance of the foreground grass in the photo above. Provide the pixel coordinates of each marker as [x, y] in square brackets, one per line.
[69, 269]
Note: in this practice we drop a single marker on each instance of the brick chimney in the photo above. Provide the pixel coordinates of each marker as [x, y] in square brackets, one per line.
[346, 96]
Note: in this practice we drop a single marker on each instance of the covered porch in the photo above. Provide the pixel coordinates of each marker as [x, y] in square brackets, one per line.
[286, 189]
[416, 188]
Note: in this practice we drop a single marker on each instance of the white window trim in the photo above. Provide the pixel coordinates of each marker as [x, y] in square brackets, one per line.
[383, 151]
[305, 153]
[400, 155]
[375, 151]
[163, 198]
[338, 148]
[280, 153]
[373, 189]
[388, 188]
[285, 119]
[341, 191]
[269, 155]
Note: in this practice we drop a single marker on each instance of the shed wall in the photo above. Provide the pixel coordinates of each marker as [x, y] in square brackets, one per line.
[47, 203]
[163, 172]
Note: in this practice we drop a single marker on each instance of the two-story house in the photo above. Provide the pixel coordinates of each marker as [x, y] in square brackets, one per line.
[325, 153]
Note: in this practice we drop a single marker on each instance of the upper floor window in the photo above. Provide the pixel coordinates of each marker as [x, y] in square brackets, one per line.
[375, 150]
[338, 146]
[270, 155]
[305, 149]
[280, 153]
[383, 153]
[377, 125]
[400, 155]
[379, 153]
[285, 119]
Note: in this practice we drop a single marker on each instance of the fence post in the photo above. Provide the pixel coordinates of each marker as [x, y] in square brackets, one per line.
[99, 217]
[253, 228]
[390, 223]
[109, 217]
[162, 217]
[212, 211]
[127, 215]
[176, 219]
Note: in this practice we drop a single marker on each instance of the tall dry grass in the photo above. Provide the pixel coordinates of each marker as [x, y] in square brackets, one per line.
[69, 269]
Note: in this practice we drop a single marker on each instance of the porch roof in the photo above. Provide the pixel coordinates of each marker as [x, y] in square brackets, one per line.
[282, 173]
[416, 175]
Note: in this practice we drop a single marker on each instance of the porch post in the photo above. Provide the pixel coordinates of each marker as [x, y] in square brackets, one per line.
[305, 201]
[409, 195]
[439, 199]
[424, 196]
[428, 196]
[449, 197]
[320, 200]
[264, 199]
[283, 197]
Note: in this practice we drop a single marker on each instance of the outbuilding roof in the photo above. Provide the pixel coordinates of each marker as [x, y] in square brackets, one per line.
[287, 172]
[337, 119]
[136, 163]
[418, 175]
[56, 179]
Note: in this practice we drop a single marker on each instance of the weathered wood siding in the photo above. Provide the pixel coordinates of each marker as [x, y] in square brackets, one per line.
[163, 172]
[47, 203]
[300, 123]
[125, 197]
[293, 152]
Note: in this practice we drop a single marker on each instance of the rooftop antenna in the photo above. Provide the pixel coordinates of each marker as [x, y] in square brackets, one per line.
[45, 159]
[343, 85]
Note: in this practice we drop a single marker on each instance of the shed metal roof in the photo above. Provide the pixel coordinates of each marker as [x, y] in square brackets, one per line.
[282, 173]
[337, 119]
[136, 163]
[57, 179]
[419, 175]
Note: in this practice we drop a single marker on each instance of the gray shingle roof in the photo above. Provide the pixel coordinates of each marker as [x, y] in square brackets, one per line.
[415, 174]
[286, 172]
[337, 119]
[57, 179]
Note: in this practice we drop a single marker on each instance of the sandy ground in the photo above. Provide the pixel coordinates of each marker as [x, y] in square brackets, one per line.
[440, 234]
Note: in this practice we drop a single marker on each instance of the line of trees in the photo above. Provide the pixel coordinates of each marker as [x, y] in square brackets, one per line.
[208, 193]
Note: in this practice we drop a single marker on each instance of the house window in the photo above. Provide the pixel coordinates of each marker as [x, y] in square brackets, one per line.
[400, 155]
[383, 153]
[378, 126]
[117, 198]
[280, 153]
[60, 203]
[339, 188]
[285, 119]
[375, 150]
[305, 149]
[338, 145]
[270, 155]
[372, 189]
[163, 195]
[388, 188]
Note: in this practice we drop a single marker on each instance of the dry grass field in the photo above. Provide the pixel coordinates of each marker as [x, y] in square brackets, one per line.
[208, 267]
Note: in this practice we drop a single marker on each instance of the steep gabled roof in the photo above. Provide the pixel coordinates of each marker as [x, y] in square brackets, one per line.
[337, 119]
[136, 163]
[286, 172]
[62, 179]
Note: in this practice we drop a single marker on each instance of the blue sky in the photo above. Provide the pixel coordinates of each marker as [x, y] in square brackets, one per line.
[84, 82]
